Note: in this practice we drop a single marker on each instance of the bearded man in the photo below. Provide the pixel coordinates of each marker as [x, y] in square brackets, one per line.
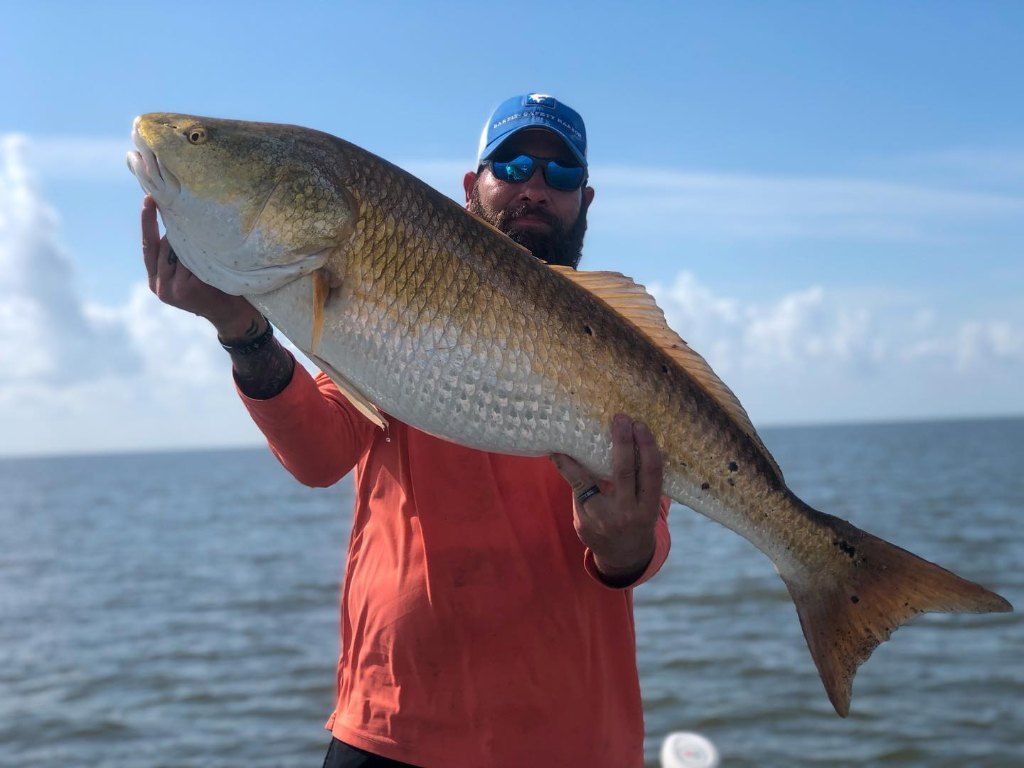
[486, 613]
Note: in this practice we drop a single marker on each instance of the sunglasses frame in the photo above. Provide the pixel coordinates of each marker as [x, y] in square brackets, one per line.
[542, 162]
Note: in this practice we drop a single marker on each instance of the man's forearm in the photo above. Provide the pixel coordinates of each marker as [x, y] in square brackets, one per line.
[265, 373]
[261, 372]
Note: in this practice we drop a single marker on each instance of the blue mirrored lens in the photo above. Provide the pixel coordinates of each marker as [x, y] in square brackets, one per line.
[564, 177]
[521, 168]
[517, 170]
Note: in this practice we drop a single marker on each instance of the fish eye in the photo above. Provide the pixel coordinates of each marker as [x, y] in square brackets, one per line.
[196, 134]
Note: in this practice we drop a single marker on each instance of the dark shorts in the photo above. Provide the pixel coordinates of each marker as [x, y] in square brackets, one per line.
[342, 755]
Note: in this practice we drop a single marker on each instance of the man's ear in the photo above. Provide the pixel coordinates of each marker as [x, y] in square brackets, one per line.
[588, 197]
[467, 184]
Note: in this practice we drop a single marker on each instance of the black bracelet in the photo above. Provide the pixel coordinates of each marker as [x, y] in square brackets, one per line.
[249, 347]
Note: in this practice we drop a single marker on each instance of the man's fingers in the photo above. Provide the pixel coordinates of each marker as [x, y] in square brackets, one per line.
[651, 470]
[150, 237]
[623, 458]
[574, 473]
[165, 266]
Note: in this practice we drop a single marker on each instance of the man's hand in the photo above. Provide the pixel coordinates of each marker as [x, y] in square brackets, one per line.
[173, 283]
[618, 523]
[261, 374]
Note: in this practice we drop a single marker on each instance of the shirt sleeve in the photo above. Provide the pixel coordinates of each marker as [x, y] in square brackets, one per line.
[312, 429]
[662, 544]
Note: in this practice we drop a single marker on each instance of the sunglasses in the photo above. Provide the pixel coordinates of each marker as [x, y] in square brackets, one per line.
[557, 175]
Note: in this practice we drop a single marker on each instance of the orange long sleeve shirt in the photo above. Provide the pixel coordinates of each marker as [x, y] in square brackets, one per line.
[475, 630]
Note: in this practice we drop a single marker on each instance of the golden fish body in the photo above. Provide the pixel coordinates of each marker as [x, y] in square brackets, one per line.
[421, 311]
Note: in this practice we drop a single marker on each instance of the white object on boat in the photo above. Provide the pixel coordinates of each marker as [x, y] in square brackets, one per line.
[684, 749]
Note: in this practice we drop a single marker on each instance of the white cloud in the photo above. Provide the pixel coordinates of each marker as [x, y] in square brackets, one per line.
[79, 376]
[983, 341]
[44, 330]
[77, 157]
[811, 326]
[813, 355]
[76, 376]
[803, 327]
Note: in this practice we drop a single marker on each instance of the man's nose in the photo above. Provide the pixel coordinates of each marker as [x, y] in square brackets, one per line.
[535, 189]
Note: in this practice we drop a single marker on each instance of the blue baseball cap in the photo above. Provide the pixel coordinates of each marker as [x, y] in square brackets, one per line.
[533, 110]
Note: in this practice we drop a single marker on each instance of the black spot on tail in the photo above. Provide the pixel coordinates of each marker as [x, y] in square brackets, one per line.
[845, 548]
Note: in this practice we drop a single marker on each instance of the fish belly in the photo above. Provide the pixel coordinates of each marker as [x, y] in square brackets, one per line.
[441, 377]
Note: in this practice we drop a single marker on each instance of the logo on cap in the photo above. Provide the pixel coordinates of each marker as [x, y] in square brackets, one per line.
[541, 100]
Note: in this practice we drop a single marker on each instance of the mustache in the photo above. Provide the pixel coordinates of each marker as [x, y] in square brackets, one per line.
[510, 215]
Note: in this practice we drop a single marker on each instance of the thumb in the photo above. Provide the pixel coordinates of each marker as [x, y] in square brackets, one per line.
[574, 473]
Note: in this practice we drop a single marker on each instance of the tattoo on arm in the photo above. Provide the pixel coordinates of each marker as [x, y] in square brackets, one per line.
[255, 329]
[266, 372]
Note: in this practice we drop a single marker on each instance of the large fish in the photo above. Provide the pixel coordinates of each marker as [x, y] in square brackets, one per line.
[417, 309]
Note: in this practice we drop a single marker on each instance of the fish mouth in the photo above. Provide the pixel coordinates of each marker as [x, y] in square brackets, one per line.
[153, 175]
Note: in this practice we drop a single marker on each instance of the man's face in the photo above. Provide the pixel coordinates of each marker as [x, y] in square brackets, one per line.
[549, 222]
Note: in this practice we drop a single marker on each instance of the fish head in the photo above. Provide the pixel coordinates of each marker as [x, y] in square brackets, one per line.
[248, 207]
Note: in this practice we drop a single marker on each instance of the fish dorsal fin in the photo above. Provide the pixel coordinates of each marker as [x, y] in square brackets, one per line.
[632, 301]
[353, 395]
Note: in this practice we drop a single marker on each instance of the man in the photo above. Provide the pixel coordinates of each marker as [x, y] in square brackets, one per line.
[487, 610]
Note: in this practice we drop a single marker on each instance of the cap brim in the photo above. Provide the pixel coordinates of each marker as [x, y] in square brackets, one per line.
[531, 124]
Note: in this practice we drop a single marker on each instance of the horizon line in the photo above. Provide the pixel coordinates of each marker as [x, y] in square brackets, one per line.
[255, 446]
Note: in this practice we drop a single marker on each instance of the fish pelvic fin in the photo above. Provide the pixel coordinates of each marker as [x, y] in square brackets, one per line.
[360, 401]
[874, 588]
[321, 292]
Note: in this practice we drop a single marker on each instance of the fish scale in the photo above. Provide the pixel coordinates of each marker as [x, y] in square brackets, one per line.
[421, 311]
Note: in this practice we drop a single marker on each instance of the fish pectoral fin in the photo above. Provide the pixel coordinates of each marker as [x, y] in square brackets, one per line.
[632, 301]
[353, 395]
[872, 587]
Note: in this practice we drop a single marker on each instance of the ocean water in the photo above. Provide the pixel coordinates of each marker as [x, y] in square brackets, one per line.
[180, 609]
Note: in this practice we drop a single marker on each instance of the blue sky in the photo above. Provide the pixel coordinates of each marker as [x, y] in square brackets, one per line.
[827, 198]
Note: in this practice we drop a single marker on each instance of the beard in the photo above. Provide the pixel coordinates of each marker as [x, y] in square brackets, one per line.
[561, 245]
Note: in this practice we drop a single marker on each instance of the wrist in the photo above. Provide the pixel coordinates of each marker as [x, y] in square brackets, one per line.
[630, 561]
[239, 327]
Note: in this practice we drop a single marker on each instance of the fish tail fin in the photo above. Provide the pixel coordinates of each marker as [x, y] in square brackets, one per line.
[873, 587]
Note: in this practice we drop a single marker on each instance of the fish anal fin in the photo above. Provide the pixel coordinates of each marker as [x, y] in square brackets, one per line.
[632, 301]
[353, 395]
[873, 588]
